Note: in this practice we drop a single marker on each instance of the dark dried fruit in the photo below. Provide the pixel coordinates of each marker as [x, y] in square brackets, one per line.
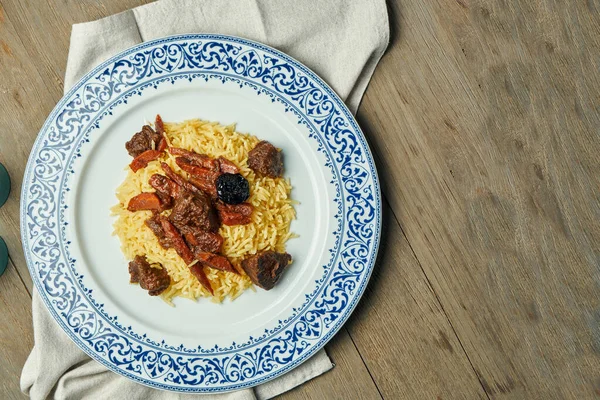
[232, 188]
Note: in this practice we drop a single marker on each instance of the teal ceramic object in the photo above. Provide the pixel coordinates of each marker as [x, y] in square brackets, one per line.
[4, 185]
[3, 256]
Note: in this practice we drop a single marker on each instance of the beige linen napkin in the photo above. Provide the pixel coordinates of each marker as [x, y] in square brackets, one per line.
[341, 40]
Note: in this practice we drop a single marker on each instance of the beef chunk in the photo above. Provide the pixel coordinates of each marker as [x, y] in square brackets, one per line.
[139, 143]
[266, 160]
[194, 211]
[203, 241]
[154, 280]
[162, 184]
[146, 139]
[206, 185]
[238, 214]
[166, 201]
[156, 227]
[152, 134]
[166, 189]
[200, 160]
[265, 269]
[134, 271]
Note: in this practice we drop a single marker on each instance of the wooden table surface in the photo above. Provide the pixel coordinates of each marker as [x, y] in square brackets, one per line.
[484, 119]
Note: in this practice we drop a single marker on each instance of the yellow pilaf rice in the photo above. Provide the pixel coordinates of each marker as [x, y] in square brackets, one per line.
[269, 229]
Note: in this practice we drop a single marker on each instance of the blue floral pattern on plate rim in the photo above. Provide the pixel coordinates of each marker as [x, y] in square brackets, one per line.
[201, 56]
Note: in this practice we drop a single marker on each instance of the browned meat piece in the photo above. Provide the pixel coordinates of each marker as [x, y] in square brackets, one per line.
[166, 201]
[198, 271]
[160, 129]
[266, 160]
[152, 134]
[265, 269]
[200, 160]
[165, 187]
[175, 240]
[156, 227]
[196, 171]
[146, 201]
[159, 126]
[162, 145]
[215, 261]
[162, 184]
[146, 139]
[194, 211]
[134, 272]
[180, 180]
[139, 143]
[206, 185]
[143, 159]
[154, 280]
[227, 166]
[235, 214]
[204, 241]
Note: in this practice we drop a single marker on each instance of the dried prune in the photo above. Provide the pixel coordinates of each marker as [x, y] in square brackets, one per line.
[232, 188]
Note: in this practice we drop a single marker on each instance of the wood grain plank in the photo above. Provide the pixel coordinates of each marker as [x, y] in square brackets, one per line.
[349, 379]
[484, 115]
[16, 335]
[402, 333]
[45, 29]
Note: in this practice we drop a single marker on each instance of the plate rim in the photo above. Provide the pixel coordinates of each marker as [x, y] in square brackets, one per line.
[313, 349]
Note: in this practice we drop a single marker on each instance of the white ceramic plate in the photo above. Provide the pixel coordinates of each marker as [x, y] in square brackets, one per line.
[78, 161]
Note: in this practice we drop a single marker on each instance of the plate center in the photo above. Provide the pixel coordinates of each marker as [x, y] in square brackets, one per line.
[104, 267]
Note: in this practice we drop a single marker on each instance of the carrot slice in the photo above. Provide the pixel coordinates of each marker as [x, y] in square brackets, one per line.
[162, 144]
[215, 261]
[176, 240]
[145, 201]
[159, 126]
[198, 271]
[143, 159]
